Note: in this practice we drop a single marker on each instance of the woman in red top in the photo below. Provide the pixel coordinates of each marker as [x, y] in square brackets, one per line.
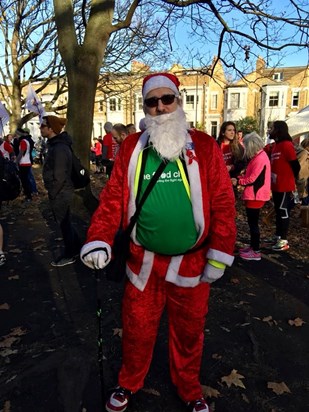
[232, 150]
[284, 170]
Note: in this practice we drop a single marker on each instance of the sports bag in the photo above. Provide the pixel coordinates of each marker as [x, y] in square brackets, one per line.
[10, 185]
[80, 176]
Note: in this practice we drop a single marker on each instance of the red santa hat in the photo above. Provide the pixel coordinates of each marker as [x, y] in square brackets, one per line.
[154, 81]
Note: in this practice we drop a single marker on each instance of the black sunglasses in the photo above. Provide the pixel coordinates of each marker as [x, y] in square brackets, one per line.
[166, 99]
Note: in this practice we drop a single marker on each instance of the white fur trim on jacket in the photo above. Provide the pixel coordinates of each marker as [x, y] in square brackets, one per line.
[220, 257]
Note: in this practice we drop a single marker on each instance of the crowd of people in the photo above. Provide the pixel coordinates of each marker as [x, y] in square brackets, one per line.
[184, 236]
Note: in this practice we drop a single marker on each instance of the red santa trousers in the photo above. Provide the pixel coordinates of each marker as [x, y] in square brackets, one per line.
[141, 312]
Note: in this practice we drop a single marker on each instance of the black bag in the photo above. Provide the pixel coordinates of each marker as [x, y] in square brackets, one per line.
[10, 185]
[80, 176]
[116, 269]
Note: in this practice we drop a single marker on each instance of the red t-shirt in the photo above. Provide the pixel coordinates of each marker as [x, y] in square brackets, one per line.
[6, 149]
[282, 177]
[112, 146]
[227, 154]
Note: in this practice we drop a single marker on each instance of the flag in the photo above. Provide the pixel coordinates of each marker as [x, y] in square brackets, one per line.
[34, 104]
[4, 118]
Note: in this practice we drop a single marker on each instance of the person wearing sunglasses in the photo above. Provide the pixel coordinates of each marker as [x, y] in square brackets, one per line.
[182, 241]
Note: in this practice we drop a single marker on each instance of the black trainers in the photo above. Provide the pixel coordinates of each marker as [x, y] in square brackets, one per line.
[63, 261]
[118, 400]
[198, 406]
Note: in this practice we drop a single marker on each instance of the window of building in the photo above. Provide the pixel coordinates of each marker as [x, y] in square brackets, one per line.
[295, 99]
[140, 103]
[273, 99]
[235, 100]
[114, 104]
[214, 129]
[101, 106]
[214, 101]
[190, 101]
[278, 76]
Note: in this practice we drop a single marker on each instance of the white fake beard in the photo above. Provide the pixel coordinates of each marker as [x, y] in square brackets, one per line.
[168, 133]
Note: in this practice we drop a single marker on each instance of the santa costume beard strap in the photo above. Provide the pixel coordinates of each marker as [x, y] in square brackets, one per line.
[167, 133]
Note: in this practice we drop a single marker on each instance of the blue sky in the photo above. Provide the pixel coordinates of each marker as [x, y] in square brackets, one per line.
[187, 46]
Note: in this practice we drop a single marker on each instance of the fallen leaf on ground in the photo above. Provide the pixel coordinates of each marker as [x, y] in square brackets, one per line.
[233, 378]
[15, 251]
[245, 398]
[296, 322]
[151, 391]
[269, 320]
[14, 277]
[235, 281]
[4, 306]
[8, 341]
[118, 332]
[216, 356]
[7, 352]
[278, 388]
[7, 406]
[209, 392]
[18, 331]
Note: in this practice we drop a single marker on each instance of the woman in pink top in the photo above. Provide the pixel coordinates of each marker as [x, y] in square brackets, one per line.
[256, 182]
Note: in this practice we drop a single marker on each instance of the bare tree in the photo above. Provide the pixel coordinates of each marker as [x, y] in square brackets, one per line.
[28, 38]
[240, 31]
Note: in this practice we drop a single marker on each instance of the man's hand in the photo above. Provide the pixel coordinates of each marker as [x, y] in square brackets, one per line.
[211, 273]
[96, 254]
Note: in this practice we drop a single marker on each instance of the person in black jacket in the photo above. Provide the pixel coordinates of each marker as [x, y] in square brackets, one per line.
[57, 180]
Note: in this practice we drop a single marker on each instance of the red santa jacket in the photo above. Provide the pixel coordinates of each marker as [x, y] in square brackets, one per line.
[213, 207]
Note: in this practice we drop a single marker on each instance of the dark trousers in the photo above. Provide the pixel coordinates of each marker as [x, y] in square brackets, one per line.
[24, 174]
[62, 214]
[282, 204]
[253, 222]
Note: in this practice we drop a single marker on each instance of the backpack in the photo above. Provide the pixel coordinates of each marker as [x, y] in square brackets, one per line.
[80, 176]
[10, 185]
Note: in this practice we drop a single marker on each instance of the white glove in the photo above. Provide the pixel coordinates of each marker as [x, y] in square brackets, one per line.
[211, 273]
[96, 254]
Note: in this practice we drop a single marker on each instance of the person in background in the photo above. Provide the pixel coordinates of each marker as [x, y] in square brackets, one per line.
[119, 132]
[284, 170]
[34, 190]
[110, 149]
[182, 242]
[23, 160]
[232, 150]
[2, 255]
[57, 171]
[302, 153]
[98, 155]
[141, 124]
[256, 182]
[131, 129]
[240, 136]
[6, 147]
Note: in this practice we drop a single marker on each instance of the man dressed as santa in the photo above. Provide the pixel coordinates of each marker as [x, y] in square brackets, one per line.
[183, 240]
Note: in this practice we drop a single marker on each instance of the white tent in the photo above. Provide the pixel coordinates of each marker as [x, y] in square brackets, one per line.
[299, 123]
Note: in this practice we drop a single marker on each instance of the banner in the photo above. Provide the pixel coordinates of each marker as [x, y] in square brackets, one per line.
[4, 118]
[34, 104]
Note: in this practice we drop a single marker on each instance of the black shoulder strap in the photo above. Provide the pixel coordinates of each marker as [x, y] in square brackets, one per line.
[148, 189]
